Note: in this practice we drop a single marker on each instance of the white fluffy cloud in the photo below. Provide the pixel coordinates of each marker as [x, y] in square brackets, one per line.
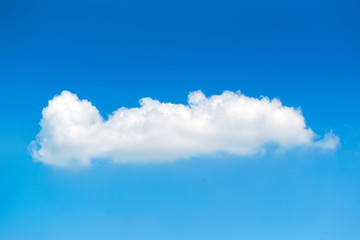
[74, 133]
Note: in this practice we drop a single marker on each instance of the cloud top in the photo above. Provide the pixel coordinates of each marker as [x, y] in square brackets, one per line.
[74, 133]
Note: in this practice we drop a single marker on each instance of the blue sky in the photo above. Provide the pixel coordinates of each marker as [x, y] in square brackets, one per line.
[306, 53]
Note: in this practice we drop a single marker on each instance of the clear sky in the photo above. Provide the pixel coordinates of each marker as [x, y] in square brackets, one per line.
[113, 53]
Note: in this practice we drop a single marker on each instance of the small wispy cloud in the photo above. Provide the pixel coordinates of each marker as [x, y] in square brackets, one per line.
[74, 133]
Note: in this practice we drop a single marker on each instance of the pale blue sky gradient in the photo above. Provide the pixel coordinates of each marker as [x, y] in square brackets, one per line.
[113, 53]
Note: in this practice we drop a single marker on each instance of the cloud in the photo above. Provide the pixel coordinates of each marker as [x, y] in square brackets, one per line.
[74, 133]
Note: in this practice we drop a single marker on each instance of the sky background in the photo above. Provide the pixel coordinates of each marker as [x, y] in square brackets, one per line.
[113, 53]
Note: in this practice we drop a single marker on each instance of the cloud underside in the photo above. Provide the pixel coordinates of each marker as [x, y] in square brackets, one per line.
[74, 133]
